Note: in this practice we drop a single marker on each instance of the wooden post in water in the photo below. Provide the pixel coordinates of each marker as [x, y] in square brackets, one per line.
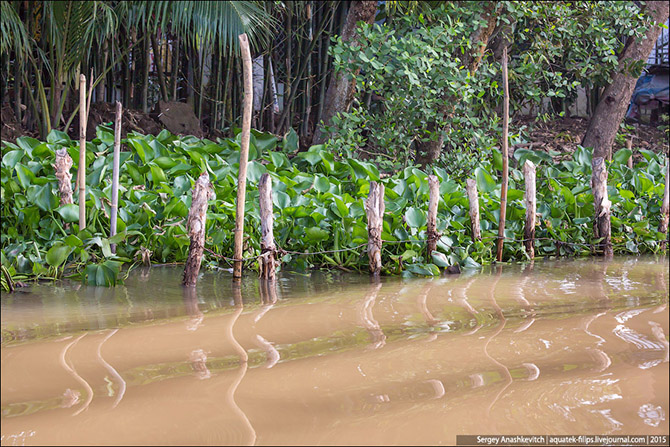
[268, 264]
[432, 234]
[374, 207]
[531, 207]
[197, 217]
[665, 207]
[629, 146]
[473, 198]
[244, 155]
[115, 174]
[62, 166]
[81, 177]
[601, 224]
[505, 158]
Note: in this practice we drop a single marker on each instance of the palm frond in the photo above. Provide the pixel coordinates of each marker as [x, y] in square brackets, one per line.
[13, 34]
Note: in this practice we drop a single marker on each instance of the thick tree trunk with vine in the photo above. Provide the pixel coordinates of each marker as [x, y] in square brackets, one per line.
[610, 111]
[430, 150]
[340, 91]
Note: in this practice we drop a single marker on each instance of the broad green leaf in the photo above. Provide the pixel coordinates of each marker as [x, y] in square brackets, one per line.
[69, 212]
[622, 156]
[58, 254]
[485, 183]
[322, 184]
[415, 217]
[316, 234]
[290, 143]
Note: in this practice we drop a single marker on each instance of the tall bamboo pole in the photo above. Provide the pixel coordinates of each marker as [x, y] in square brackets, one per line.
[505, 158]
[115, 174]
[244, 154]
[83, 112]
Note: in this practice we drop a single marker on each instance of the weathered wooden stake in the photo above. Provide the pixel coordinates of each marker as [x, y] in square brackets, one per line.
[601, 224]
[374, 207]
[432, 234]
[531, 207]
[83, 115]
[197, 217]
[62, 166]
[268, 263]
[473, 198]
[115, 174]
[244, 155]
[505, 158]
[665, 207]
[629, 146]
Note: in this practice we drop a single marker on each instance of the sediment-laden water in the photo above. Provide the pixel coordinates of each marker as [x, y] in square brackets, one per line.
[553, 347]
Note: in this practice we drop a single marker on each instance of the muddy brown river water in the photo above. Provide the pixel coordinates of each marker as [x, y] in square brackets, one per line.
[554, 347]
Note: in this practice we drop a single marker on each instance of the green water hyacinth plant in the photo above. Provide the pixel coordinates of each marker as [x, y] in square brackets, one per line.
[319, 207]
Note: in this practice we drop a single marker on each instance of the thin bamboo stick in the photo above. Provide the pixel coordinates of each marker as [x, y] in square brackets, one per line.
[505, 158]
[83, 112]
[244, 155]
[115, 174]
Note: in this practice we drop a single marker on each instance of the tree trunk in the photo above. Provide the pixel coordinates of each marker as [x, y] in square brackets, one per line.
[340, 91]
[609, 113]
[159, 68]
[612, 107]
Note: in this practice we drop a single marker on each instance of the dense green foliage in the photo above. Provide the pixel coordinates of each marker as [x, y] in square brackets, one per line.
[420, 85]
[319, 205]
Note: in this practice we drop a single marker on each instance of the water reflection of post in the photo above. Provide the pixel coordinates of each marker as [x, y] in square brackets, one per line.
[520, 297]
[268, 298]
[72, 397]
[244, 364]
[198, 357]
[423, 308]
[111, 370]
[369, 322]
[462, 301]
[503, 321]
[602, 359]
